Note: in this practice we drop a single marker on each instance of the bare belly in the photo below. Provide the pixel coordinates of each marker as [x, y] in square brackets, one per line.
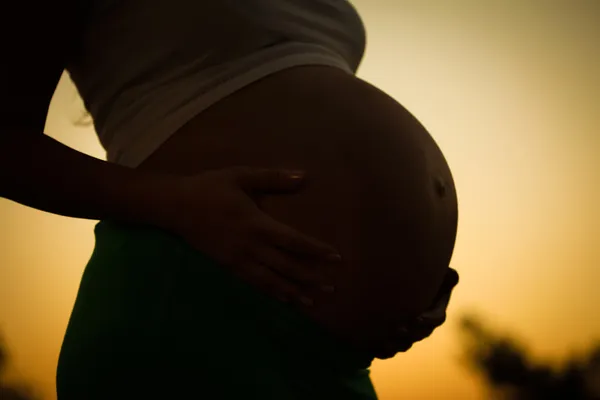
[378, 187]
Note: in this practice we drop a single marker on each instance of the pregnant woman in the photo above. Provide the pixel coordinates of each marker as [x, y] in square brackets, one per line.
[270, 223]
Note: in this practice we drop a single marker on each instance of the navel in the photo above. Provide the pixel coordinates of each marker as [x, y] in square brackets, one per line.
[440, 186]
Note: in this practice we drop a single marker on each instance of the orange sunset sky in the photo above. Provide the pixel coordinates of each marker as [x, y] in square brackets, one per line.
[511, 92]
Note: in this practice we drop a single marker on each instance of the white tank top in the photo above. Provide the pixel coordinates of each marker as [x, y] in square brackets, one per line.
[146, 67]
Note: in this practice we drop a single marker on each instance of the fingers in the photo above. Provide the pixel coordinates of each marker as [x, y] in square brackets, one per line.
[436, 315]
[452, 278]
[403, 340]
[424, 325]
[416, 332]
[266, 280]
[450, 281]
[280, 235]
[289, 239]
[390, 348]
[280, 256]
[267, 180]
[291, 268]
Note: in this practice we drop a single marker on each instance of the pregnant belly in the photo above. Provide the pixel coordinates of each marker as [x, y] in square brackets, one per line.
[378, 187]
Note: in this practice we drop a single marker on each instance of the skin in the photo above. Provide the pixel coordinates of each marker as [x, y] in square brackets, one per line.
[377, 188]
[372, 190]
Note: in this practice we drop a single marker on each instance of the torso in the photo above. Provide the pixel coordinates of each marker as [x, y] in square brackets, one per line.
[378, 188]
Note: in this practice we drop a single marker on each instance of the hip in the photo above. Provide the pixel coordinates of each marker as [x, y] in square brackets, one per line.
[152, 309]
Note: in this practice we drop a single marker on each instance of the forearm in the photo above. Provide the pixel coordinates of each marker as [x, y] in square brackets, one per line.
[39, 172]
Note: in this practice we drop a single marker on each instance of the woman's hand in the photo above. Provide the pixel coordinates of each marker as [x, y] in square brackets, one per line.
[423, 326]
[215, 212]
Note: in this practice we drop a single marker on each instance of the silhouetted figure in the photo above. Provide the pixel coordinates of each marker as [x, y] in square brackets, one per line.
[211, 245]
[509, 370]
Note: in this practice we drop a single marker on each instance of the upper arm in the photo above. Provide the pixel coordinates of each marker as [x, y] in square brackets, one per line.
[35, 44]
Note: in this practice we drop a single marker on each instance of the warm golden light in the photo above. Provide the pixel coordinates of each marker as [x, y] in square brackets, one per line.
[511, 92]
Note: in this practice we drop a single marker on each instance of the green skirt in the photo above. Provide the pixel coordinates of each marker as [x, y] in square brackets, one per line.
[155, 319]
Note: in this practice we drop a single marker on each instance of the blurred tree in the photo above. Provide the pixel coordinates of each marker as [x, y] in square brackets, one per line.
[511, 374]
[11, 391]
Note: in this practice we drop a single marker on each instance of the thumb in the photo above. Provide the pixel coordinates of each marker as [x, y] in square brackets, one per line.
[269, 180]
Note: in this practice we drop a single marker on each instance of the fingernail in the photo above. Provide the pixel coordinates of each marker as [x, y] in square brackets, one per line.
[306, 301]
[328, 288]
[296, 175]
[334, 257]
